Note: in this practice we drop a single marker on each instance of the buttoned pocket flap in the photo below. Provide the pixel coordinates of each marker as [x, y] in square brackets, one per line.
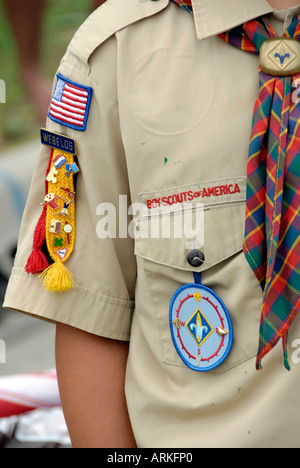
[167, 237]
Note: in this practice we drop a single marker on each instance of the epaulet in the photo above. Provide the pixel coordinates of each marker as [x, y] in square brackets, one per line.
[108, 19]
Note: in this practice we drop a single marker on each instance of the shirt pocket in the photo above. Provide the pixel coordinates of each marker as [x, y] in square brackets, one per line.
[220, 234]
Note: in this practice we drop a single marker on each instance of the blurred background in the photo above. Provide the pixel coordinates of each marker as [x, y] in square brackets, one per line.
[34, 35]
[50, 26]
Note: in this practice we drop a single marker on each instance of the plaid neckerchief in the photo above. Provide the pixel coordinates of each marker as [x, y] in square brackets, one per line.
[272, 227]
[186, 5]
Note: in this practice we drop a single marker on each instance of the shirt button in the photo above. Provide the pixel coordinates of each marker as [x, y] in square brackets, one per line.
[195, 258]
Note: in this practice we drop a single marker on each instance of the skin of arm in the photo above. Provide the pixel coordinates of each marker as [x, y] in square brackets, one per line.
[283, 4]
[91, 378]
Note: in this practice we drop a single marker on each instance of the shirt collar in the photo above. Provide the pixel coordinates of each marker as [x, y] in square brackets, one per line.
[213, 17]
[286, 16]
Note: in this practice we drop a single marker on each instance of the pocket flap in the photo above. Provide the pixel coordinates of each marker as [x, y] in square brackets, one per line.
[216, 230]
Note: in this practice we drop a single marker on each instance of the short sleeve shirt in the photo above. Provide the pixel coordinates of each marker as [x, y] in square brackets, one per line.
[168, 125]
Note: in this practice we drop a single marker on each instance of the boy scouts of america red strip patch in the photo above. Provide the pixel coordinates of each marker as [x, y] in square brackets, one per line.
[70, 104]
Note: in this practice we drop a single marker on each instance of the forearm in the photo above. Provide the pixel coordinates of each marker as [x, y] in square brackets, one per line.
[91, 377]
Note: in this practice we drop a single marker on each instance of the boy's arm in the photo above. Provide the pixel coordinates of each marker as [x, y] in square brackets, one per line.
[91, 377]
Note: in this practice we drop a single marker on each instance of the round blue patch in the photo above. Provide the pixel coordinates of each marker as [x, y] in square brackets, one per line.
[201, 327]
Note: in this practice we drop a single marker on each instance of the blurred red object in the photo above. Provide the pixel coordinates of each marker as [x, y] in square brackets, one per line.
[26, 392]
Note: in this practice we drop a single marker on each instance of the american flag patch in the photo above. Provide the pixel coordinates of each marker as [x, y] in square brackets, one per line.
[70, 104]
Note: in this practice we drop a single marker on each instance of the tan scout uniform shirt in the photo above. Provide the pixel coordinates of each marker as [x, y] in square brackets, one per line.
[171, 114]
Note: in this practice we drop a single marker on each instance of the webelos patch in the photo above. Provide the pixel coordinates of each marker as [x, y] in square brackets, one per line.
[201, 327]
[70, 104]
[55, 231]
